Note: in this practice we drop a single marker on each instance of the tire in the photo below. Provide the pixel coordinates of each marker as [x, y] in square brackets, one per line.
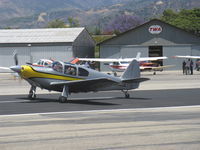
[62, 99]
[32, 96]
[127, 95]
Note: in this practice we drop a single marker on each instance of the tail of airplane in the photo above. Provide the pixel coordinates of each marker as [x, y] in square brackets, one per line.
[138, 56]
[132, 74]
[132, 71]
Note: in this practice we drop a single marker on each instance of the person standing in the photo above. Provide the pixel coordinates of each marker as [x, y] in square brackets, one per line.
[187, 67]
[184, 67]
[191, 67]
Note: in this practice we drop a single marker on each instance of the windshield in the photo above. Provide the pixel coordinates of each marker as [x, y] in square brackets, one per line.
[124, 62]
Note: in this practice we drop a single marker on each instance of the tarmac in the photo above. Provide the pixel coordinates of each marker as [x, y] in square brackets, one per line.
[163, 80]
[169, 128]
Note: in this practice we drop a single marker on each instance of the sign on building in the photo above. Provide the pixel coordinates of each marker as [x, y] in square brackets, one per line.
[155, 29]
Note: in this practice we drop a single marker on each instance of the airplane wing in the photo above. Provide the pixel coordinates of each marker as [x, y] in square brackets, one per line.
[135, 80]
[145, 59]
[122, 59]
[101, 59]
[187, 56]
[151, 58]
[85, 85]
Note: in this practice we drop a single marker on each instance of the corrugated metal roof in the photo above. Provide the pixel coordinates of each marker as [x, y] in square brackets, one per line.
[48, 35]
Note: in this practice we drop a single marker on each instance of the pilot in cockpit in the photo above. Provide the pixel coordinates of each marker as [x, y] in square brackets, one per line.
[57, 66]
[70, 70]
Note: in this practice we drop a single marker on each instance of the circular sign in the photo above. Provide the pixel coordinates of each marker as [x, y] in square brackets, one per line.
[155, 29]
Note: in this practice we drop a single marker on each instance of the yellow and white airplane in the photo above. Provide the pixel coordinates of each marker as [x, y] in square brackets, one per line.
[70, 78]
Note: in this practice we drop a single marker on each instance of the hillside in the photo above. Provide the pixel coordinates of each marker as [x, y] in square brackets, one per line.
[36, 13]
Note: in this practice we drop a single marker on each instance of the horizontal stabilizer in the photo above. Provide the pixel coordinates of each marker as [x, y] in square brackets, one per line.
[136, 80]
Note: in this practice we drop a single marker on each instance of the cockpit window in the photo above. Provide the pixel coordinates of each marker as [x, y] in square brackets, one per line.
[124, 62]
[82, 72]
[70, 70]
[57, 66]
[46, 64]
[39, 63]
[115, 63]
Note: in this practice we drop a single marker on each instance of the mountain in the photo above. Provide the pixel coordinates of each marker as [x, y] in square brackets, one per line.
[36, 13]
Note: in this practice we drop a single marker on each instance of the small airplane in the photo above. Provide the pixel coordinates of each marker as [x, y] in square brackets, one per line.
[43, 63]
[119, 65]
[48, 62]
[71, 78]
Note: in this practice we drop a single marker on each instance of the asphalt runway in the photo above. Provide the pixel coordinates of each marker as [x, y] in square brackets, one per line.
[19, 104]
[162, 114]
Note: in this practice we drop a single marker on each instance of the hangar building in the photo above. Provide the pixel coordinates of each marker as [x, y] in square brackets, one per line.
[154, 38]
[34, 44]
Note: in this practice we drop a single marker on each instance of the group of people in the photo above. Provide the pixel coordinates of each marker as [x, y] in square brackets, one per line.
[187, 67]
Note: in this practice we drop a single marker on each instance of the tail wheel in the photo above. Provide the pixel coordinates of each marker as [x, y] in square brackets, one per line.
[127, 95]
[62, 99]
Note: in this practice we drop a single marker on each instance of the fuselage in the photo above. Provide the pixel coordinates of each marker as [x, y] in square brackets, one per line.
[43, 77]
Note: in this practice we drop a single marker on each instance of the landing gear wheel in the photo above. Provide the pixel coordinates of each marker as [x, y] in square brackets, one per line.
[115, 74]
[127, 95]
[32, 92]
[32, 96]
[62, 99]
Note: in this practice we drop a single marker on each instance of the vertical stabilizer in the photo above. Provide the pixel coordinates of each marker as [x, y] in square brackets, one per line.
[132, 71]
[138, 56]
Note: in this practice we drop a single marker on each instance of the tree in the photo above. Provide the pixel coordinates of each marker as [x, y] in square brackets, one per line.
[73, 22]
[168, 15]
[97, 31]
[57, 23]
[123, 23]
[188, 20]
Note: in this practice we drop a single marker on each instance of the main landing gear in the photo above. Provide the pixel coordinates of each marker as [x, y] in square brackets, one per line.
[64, 94]
[62, 99]
[126, 94]
[32, 93]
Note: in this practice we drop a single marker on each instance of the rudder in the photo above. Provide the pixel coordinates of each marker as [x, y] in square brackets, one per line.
[132, 71]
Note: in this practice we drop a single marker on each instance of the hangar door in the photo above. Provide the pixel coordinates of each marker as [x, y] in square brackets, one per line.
[61, 53]
[156, 51]
[7, 59]
[131, 51]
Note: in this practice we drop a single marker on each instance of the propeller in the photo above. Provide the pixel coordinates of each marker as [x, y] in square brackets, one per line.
[16, 58]
[16, 68]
